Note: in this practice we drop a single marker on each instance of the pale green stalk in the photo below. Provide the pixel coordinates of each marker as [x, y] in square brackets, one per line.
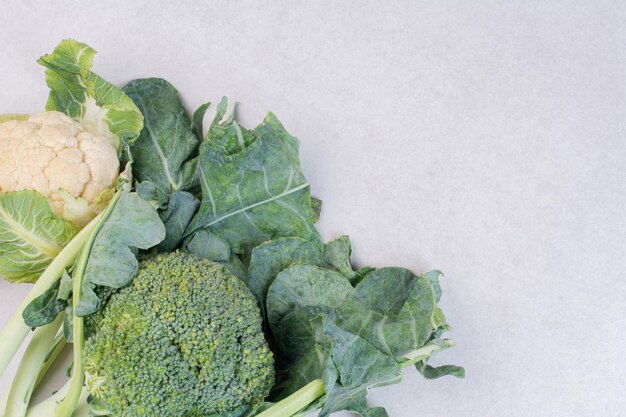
[32, 362]
[296, 401]
[68, 405]
[48, 408]
[53, 352]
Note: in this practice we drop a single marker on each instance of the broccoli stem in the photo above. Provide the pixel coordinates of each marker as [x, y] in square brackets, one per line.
[32, 363]
[16, 330]
[68, 404]
[296, 401]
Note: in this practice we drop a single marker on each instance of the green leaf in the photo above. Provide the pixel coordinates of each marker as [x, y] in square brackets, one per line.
[298, 332]
[348, 349]
[76, 91]
[393, 309]
[45, 308]
[433, 277]
[316, 205]
[30, 235]
[207, 245]
[305, 286]
[356, 366]
[181, 208]
[430, 372]
[337, 254]
[164, 154]
[197, 121]
[253, 189]
[270, 258]
[225, 133]
[149, 192]
[354, 338]
[133, 224]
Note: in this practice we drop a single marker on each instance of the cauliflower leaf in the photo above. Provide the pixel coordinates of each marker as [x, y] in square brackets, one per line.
[30, 235]
[84, 96]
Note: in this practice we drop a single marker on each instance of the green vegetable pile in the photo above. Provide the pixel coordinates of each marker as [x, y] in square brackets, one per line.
[195, 284]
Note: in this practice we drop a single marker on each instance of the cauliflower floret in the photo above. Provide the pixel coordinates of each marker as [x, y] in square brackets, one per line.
[56, 156]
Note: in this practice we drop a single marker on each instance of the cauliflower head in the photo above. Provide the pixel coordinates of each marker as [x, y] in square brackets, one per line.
[57, 157]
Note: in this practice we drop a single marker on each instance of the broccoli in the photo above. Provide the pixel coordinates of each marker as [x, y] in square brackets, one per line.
[184, 339]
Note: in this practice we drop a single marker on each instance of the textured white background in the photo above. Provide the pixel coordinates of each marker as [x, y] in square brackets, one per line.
[486, 139]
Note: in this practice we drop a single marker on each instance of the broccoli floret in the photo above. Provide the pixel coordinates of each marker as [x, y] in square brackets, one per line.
[184, 339]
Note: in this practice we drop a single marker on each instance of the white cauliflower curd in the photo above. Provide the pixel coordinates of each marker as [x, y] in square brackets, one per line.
[56, 156]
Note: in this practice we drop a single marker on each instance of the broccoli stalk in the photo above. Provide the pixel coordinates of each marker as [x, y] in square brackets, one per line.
[16, 330]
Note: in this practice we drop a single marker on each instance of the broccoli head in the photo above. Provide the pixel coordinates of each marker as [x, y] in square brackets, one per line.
[184, 339]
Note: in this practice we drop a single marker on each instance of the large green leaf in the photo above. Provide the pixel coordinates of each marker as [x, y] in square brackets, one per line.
[76, 91]
[393, 309]
[133, 224]
[353, 338]
[30, 235]
[165, 150]
[253, 188]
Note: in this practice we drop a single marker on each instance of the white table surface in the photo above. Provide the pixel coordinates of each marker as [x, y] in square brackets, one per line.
[485, 139]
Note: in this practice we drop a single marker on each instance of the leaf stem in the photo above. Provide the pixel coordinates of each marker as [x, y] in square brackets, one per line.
[67, 406]
[31, 365]
[296, 401]
[48, 407]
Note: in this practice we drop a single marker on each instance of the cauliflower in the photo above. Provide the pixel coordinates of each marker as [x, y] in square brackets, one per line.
[52, 154]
